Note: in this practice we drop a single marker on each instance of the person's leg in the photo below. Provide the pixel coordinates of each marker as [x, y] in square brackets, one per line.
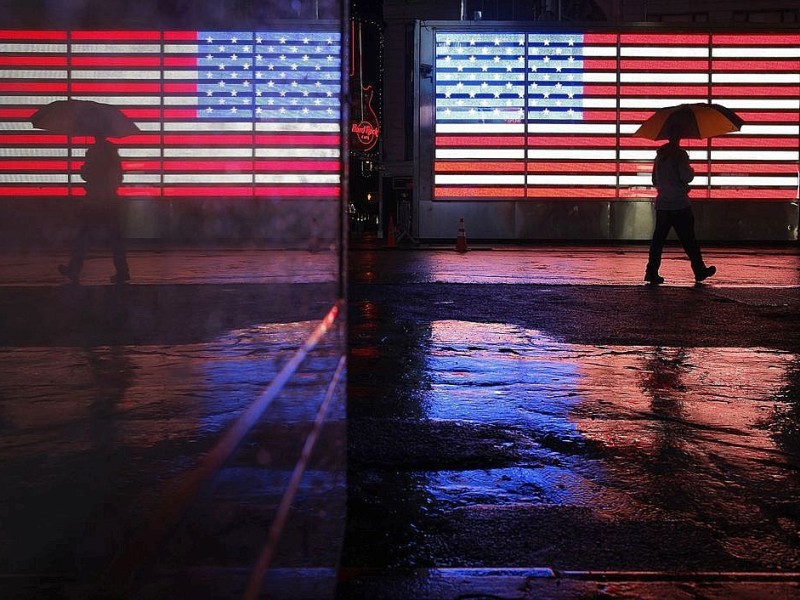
[78, 253]
[684, 227]
[660, 232]
[118, 249]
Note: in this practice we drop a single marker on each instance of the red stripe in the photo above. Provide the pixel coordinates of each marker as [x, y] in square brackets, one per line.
[36, 139]
[17, 113]
[33, 61]
[178, 88]
[33, 165]
[571, 167]
[599, 64]
[180, 36]
[114, 36]
[126, 87]
[297, 165]
[297, 140]
[663, 39]
[766, 91]
[8, 190]
[115, 61]
[299, 191]
[780, 39]
[29, 34]
[140, 192]
[34, 86]
[775, 194]
[180, 61]
[600, 39]
[571, 192]
[663, 64]
[464, 141]
[179, 113]
[479, 167]
[649, 91]
[740, 141]
[202, 139]
[479, 192]
[757, 66]
[545, 141]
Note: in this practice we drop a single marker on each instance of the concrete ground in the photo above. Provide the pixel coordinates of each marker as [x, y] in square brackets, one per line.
[521, 423]
[537, 423]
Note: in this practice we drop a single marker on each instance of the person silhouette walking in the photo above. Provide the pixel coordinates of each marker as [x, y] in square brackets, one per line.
[100, 211]
[671, 176]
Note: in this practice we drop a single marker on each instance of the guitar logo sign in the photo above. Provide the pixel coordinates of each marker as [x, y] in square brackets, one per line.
[364, 132]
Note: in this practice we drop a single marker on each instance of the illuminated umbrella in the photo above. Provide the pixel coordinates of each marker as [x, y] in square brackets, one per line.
[84, 118]
[689, 121]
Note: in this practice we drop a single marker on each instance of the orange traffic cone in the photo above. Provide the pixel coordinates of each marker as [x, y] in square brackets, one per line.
[461, 240]
[390, 241]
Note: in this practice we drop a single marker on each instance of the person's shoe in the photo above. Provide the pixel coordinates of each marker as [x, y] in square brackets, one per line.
[120, 278]
[66, 272]
[653, 278]
[705, 273]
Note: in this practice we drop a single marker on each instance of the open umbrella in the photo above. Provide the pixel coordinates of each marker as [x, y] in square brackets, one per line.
[84, 117]
[689, 121]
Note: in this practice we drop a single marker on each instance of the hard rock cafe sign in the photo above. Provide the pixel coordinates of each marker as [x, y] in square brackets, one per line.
[364, 126]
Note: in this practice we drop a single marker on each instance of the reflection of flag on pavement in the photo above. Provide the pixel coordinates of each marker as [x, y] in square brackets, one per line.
[550, 115]
[222, 113]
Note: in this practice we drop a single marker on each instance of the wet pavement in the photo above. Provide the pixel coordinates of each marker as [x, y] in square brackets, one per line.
[537, 423]
[115, 404]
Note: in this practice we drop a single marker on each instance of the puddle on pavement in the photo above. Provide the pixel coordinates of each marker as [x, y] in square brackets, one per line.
[704, 439]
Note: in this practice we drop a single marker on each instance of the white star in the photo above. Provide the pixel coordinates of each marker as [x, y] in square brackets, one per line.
[318, 68]
[496, 41]
[259, 39]
[294, 67]
[234, 40]
[221, 102]
[496, 59]
[209, 110]
[305, 57]
[221, 49]
[221, 66]
[546, 42]
[484, 68]
[282, 40]
[282, 57]
[246, 83]
[221, 83]
[472, 42]
[234, 93]
[209, 93]
[447, 94]
[329, 57]
[546, 59]
[509, 85]
[305, 110]
[571, 42]
[306, 40]
[209, 57]
[246, 66]
[329, 41]
[259, 93]
[209, 39]
[259, 110]
[233, 110]
[270, 83]
[472, 59]
[234, 56]
[246, 49]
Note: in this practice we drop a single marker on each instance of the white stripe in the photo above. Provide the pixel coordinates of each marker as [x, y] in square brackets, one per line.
[753, 155]
[656, 103]
[754, 181]
[30, 100]
[642, 180]
[297, 152]
[572, 180]
[124, 100]
[208, 178]
[476, 128]
[567, 154]
[115, 48]
[746, 52]
[33, 152]
[599, 51]
[33, 178]
[480, 179]
[78, 73]
[180, 48]
[595, 77]
[297, 178]
[209, 126]
[647, 156]
[748, 129]
[321, 127]
[207, 152]
[760, 103]
[599, 102]
[33, 74]
[180, 101]
[19, 126]
[572, 128]
[479, 153]
[672, 52]
[757, 78]
[190, 75]
[683, 77]
[141, 178]
[15, 47]
[140, 152]
[149, 125]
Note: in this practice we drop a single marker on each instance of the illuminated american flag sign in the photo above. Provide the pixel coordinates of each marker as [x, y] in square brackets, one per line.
[222, 113]
[550, 115]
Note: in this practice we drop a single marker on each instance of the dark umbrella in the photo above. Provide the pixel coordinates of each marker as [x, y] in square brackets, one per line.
[84, 118]
[689, 121]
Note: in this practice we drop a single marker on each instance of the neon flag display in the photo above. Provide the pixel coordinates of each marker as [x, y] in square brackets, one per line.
[550, 116]
[222, 114]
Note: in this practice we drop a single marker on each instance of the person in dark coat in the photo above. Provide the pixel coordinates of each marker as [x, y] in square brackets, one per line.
[671, 176]
[100, 211]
